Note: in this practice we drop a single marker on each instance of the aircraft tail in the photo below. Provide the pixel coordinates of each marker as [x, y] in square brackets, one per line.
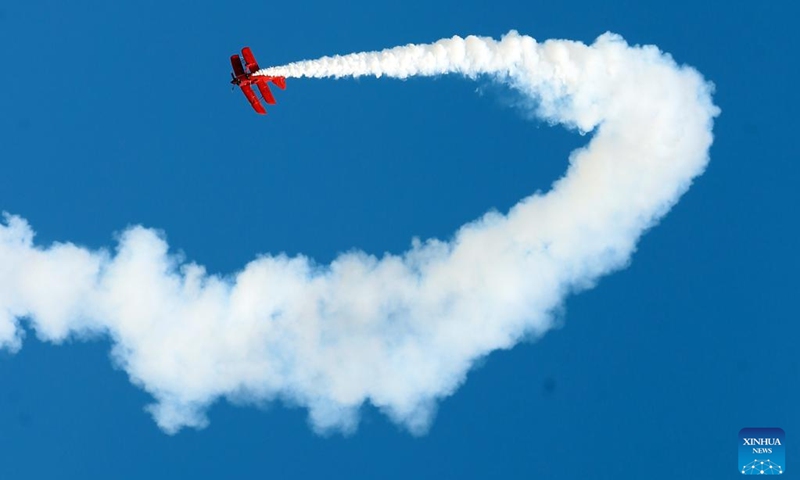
[280, 82]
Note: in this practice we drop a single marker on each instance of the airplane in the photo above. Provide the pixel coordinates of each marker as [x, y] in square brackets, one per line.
[243, 77]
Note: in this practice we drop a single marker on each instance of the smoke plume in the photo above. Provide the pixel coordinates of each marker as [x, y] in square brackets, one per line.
[397, 331]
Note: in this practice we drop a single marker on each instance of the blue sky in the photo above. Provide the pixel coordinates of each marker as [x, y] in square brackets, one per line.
[116, 115]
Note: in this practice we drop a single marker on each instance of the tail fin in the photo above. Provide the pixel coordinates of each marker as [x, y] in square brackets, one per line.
[280, 82]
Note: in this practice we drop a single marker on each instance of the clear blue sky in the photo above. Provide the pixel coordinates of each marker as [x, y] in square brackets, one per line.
[115, 115]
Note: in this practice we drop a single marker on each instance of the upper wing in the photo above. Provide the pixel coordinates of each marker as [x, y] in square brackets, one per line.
[236, 63]
[251, 97]
[250, 60]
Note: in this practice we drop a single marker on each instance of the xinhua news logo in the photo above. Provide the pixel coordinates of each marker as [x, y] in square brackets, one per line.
[762, 451]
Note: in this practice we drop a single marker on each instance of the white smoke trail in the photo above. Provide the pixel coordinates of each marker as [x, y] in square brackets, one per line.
[400, 332]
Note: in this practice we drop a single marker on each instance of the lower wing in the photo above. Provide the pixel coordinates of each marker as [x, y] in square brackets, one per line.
[251, 97]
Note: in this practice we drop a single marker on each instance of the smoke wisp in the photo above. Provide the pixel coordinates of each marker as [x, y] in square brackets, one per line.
[398, 331]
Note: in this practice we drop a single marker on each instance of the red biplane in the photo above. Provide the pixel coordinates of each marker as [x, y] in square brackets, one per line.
[243, 76]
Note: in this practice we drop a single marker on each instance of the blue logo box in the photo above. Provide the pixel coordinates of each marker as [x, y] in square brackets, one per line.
[762, 451]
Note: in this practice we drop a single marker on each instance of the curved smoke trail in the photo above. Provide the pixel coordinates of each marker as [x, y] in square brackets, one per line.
[402, 331]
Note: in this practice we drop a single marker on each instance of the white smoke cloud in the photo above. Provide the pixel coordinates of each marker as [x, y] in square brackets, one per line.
[400, 331]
